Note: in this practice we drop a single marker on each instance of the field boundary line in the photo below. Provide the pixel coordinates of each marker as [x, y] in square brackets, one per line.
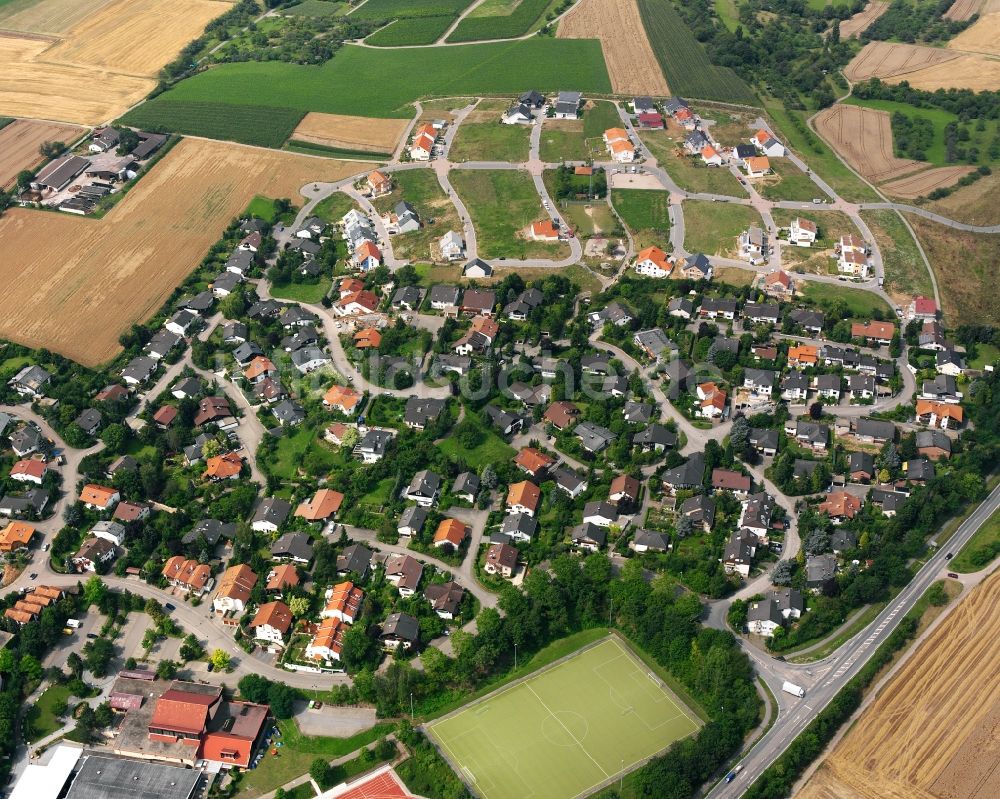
[682, 706]
[559, 721]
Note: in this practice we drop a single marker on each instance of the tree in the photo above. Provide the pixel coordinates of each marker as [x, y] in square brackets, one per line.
[24, 178]
[6, 661]
[220, 660]
[299, 605]
[94, 591]
[782, 574]
[50, 149]
[320, 771]
[97, 655]
[740, 433]
[30, 667]
[166, 670]
[684, 526]
[191, 648]
[114, 436]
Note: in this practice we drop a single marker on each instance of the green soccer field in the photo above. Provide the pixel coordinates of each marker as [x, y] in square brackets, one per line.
[565, 730]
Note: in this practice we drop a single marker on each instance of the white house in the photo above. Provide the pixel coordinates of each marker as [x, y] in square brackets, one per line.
[452, 246]
[652, 262]
[802, 232]
[767, 144]
[853, 263]
[272, 623]
[753, 245]
[710, 156]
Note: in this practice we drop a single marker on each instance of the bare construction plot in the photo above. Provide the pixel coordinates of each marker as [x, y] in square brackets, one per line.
[616, 23]
[19, 143]
[932, 731]
[74, 284]
[350, 133]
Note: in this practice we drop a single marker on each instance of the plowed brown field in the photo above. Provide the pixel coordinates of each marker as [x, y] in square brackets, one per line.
[886, 60]
[863, 136]
[857, 24]
[923, 183]
[73, 284]
[974, 72]
[932, 733]
[616, 23]
[351, 133]
[19, 143]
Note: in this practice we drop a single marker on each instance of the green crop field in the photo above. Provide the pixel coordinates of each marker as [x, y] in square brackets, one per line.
[684, 61]
[570, 727]
[418, 30]
[314, 8]
[387, 9]
[503, 202]
[224, 102]
[521, 19]
[251, 124]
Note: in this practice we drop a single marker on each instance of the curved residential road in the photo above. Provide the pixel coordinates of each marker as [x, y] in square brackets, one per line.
[199, 621]
[824, 680]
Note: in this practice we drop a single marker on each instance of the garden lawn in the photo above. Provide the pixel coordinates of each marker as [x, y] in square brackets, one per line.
[41, 718]
[570, 727]
[333, 208]
[482, 137]
[291, 450]
[788, 183]
[861, 304]
[981, 549]
[490, 449]
[303, 292]
[264, 101]
[563, 140]
[646, 213]
[502, 203]
[712, 228]
[905, 271]
[688, 171]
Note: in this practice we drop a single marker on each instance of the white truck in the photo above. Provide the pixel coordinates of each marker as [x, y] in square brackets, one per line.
[793, 689]
[74, 623]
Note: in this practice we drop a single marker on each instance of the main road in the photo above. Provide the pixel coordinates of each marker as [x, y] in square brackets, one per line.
[825, 679]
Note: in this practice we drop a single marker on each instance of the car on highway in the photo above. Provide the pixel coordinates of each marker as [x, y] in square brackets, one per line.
[168, 606]
[948, 556]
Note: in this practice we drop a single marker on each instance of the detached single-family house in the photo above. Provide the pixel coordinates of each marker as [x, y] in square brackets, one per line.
[653, 262]
[802, 232]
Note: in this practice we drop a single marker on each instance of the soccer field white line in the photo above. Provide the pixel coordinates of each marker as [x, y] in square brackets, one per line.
[559, 721]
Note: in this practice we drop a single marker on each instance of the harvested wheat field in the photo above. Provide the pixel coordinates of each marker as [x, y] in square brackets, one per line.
[110, 39]
[30, 87]
[351, 133]
[923, 183]
[857, 24]
[983, 36]
[886, 60]
[974, 72]
[74, 284]
[863, 136]
[19, 143]
[616, 23]
[932, 731]
[46, 16]
[963, 9]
